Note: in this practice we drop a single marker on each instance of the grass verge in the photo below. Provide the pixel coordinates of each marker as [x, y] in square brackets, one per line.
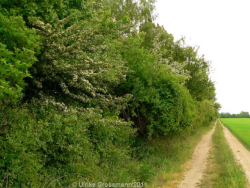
[169, 159]
[222, 169]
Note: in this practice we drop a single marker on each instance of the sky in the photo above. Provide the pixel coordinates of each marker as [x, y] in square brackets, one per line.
[221, 29]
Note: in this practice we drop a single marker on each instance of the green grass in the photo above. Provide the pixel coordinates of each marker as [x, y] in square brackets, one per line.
[240, 128]
[222, 169]
[169, 159]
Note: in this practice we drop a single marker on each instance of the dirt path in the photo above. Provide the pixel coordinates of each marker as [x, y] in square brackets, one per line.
[240, 152]
[199, 160]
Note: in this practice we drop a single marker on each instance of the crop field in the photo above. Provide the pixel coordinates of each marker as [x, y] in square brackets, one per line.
[240, 127]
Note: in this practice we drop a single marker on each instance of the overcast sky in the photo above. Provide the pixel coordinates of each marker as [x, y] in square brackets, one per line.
[222, 30]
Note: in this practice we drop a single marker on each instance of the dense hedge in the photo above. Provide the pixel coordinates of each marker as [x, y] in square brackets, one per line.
[81, 82]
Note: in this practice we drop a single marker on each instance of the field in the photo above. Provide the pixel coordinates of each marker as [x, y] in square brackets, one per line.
[240, 127]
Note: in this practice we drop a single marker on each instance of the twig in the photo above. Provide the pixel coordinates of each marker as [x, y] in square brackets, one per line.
[60, 178]
[11, 173]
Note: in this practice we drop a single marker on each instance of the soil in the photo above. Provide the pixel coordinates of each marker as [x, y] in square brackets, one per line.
[193, 176]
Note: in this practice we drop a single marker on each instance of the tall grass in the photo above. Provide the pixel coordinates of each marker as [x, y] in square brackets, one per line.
[170, 158]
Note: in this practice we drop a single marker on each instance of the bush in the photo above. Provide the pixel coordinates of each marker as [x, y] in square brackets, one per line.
[17, 53]
[161, 105]
[44, 144]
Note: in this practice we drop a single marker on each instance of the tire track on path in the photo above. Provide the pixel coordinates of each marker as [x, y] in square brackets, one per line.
[198, 163]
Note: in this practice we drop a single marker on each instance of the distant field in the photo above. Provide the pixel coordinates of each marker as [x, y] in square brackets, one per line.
[240, 127]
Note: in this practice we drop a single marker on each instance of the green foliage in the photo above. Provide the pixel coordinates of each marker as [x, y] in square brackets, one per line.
[242, 114]
[17, 53]
[43, 144]
[47, 10]
[161, 105]
[84, 67]
[138, 12]
[205, 113]
[76, 64]
[191, 70]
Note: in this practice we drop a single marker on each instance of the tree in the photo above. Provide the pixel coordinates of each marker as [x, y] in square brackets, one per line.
[77, 65]
[244, 114]
[47, 11]
[161, 105]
